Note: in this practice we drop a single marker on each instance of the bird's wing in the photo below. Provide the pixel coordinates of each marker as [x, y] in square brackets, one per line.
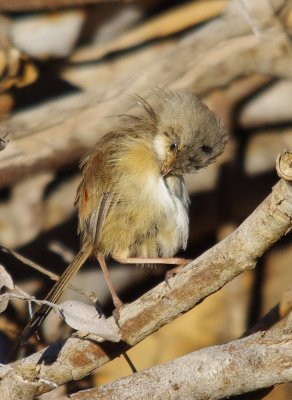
[94, 196]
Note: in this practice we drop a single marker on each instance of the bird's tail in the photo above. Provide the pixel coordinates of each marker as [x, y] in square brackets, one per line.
[53, 296]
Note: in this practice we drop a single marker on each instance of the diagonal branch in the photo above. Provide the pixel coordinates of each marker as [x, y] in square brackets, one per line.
[32, 5]
[76, 357]
[30, 263]
[241, 366]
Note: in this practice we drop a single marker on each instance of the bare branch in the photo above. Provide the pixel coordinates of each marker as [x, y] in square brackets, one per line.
[75, 358]
[32, 5]
[168, 23]
[217, 372]
[30, 263]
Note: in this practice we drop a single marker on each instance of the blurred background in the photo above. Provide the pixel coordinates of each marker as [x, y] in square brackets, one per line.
[65, 67]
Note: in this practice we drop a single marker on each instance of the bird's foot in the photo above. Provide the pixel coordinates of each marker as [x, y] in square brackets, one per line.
[173, 271]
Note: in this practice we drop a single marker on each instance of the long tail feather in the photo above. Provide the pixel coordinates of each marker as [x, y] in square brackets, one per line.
[43, 310]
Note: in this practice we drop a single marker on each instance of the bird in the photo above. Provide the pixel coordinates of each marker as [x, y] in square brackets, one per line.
[132, 200]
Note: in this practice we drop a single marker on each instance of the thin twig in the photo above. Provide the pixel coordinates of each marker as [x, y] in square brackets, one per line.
[32, 5]
[43, 270]
[30, 263]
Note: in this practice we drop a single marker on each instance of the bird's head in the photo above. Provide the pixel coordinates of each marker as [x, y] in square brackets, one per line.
[188, 136]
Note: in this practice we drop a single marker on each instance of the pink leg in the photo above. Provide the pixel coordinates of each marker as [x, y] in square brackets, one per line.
[160, 260]
[116, 300]
[179, 262]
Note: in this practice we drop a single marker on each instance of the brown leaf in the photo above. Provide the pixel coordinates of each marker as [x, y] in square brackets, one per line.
[85, 318]
[5, 279]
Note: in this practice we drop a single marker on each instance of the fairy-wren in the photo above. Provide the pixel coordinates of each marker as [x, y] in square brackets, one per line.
[132, 201]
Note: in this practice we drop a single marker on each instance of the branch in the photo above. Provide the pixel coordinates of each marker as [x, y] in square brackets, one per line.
[30, 263]
[75, 358]
[45, 271]
[256, 362]
[174, 20]
[33, 5]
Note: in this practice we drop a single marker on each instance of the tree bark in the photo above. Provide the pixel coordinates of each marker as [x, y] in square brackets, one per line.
[246, 365]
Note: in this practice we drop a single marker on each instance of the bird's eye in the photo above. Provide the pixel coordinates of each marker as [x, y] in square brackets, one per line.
[206, 149]
[173, 146]
[192, 159]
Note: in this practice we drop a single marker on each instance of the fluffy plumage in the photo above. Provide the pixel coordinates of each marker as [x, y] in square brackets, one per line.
[132, 200]
[141, 166]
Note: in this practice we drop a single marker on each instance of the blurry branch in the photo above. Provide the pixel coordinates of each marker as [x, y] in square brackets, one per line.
[76, 357]
[170, 22]
[30, 263]
[262, 147]
[241, 366]
[32, 5]
[59, 132]
[22, 213]
[32, 210]
[63, 251]
[264, 109]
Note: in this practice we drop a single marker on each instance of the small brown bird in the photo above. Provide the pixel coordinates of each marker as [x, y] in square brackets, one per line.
[132, 200]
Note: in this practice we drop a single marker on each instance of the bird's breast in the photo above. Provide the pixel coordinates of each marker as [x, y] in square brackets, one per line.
[150, 216]
[169, 209]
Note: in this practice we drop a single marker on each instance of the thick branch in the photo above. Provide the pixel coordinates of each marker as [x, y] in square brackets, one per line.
[34, 5]
[75, 357]
[256, 362]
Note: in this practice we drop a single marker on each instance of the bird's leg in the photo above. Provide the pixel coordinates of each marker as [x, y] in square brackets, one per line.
[116, 300]
[178, 261]
[160, 260]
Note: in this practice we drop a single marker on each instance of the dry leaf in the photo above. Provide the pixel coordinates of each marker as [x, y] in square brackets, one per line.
[5, 279]
[3, 141]
[85, 318]
[3, 303]
[16, 68]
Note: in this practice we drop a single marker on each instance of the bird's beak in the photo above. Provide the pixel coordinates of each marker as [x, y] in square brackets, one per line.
[167, 166]
[165, 170]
